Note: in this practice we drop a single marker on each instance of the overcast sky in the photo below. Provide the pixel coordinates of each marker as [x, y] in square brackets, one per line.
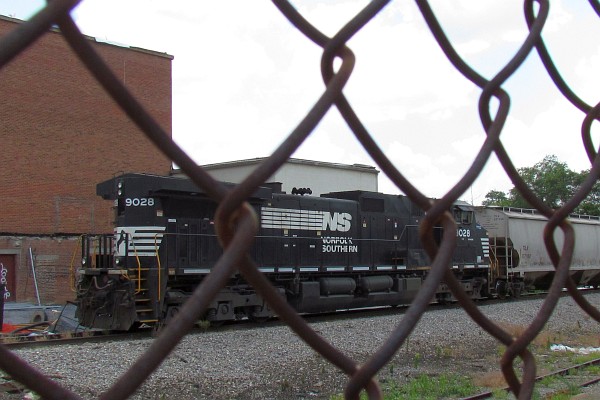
[243, 77]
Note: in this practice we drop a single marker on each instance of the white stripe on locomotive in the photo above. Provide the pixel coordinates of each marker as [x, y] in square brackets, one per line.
[143, 241]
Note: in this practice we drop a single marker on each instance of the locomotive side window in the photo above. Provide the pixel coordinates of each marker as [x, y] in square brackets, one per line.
[463, 216]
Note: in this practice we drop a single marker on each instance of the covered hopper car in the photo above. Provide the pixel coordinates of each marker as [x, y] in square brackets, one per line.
[338, 251]
[518, 257]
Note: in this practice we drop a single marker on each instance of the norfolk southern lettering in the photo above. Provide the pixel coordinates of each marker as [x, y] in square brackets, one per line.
[339, 245]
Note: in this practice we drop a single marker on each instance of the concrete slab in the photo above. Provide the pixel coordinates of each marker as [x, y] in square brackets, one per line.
[27, 313]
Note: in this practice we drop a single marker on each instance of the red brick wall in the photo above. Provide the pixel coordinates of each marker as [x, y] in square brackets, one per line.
[62, 134]
[54, 270]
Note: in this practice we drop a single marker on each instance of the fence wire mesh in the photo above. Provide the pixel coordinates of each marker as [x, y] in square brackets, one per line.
[237, 224]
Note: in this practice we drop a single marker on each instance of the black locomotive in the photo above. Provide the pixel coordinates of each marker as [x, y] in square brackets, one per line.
[338, 251]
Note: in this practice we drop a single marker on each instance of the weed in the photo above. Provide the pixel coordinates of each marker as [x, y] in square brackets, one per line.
[551, 380]
[543, 339]
[443, 352]
[500, 394]
[583, 358]
[500, 350]
[427, 387]
[417, 360]
[284, 385]
[362, 396]
[567, 393]
[203, 324]
[493, 379]
[593, 370]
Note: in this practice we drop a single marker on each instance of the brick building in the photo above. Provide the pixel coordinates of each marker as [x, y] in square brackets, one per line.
[61, 134]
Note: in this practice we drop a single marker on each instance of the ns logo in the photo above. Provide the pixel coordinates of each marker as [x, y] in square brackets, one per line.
[336, 221]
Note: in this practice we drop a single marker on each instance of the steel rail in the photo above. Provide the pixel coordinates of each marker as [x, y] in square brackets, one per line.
[561, 372]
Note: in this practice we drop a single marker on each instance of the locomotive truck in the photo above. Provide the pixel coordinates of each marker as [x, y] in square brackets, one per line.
[341, 250]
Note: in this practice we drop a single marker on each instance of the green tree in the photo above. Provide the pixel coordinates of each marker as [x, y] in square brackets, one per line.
[591, 205]
[553, 182]
[496, 198]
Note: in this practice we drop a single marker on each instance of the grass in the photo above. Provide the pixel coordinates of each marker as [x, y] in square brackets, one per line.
[433, 387]
[444, 352]
[427, 388]
[562, 387]
[583, 358]
[455, 385]
[203, 324]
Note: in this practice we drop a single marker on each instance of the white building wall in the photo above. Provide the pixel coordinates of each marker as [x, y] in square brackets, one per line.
[320, 177]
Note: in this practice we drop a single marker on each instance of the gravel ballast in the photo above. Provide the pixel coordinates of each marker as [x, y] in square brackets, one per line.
[272, 362]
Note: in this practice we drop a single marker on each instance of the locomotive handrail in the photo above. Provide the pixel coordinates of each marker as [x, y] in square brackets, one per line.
[93, 258]
[404, 230]
[72, 284]
[533, 211]
[494, 263]
[158, 265]
[212, 235]
[585, 217]
[139, 266]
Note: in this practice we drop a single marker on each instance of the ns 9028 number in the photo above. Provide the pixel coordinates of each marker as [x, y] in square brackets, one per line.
[139, 202]
[464, 233]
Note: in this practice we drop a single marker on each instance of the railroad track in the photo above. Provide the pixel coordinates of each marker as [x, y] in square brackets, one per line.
[575, 370]
[41, 338]
[225, 333]
[47, 339]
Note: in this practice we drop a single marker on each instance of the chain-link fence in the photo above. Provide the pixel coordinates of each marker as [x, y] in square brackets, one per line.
[237, 224]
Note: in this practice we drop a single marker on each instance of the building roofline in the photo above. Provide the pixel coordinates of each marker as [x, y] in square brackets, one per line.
[96, 40]
[258, 160]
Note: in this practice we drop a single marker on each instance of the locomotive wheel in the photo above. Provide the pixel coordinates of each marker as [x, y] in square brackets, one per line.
[443, 299]
[258, 320]
[253, 314]
[516, 292]
[501, 289]
[210, 317]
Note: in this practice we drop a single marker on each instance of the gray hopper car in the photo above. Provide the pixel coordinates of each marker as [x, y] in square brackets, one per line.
[518, 257]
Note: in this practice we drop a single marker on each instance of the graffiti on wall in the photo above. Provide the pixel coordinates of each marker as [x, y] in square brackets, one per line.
[4, 281]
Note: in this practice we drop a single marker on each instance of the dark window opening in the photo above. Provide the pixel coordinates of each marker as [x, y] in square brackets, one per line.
[372, 205]
[463, 217]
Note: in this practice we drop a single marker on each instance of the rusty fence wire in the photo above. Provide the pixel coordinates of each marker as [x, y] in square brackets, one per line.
[237, 224]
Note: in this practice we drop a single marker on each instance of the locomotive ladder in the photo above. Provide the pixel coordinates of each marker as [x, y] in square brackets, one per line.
[502, 254]
[144, 302]
[501, 264]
